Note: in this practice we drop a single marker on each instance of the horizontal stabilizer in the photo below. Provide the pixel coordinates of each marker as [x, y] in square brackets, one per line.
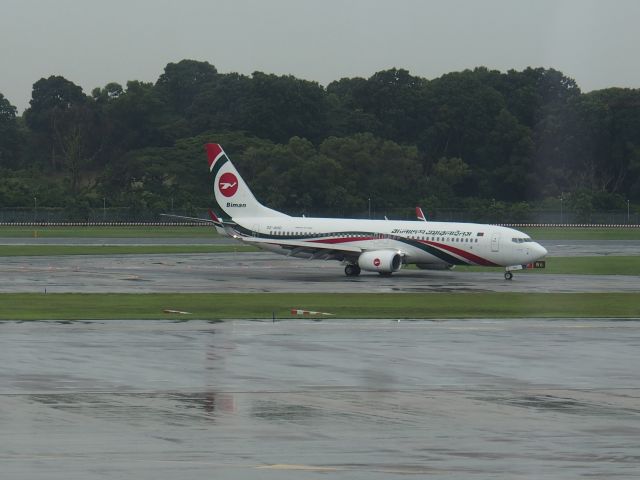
[220, 225]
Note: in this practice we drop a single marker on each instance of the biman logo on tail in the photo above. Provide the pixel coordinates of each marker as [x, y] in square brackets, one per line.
[228, 184]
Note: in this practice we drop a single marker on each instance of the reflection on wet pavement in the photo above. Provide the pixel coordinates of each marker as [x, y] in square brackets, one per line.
[268, 272]
[337, 399]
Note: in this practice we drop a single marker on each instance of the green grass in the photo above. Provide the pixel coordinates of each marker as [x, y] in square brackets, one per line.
[215, 306]
[54, 250]
[603, 265]
[571, 233]
[108, 232]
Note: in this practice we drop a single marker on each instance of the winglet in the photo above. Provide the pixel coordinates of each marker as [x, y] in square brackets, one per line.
[214, 217]
[420, 214]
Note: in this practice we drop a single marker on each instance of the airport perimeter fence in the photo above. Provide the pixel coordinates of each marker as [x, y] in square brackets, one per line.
[125, 216]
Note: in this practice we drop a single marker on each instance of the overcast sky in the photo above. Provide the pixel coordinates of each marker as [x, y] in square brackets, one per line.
[94, 42]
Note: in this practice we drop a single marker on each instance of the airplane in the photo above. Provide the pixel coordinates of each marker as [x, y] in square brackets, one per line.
[381, 246]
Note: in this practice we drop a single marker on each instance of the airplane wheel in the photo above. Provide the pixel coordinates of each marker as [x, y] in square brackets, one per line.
[508, 275]
[352, 270]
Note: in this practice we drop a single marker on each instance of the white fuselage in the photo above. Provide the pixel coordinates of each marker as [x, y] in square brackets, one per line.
[419, 242]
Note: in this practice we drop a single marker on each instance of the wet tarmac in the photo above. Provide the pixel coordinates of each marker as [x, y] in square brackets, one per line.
[266, 272]
[587, 248]
[552, 399]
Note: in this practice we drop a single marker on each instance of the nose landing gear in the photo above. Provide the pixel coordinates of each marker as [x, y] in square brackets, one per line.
[508, 275]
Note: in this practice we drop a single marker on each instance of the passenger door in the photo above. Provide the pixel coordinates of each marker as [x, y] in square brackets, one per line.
[495, 242]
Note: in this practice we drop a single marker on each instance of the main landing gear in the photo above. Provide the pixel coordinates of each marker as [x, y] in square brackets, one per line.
[352, 270]
[508, 275]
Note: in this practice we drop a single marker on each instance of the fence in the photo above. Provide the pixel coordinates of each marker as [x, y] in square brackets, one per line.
[44, 216]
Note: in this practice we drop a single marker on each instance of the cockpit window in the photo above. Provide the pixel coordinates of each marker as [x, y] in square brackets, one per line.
[521, 240]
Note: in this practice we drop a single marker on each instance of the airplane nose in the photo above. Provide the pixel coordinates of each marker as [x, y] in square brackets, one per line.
[540, 250]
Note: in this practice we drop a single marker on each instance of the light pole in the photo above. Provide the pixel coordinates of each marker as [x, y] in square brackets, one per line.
[104, 209]
[35, 208]
[628, 222]
[369, 208]
[561, 211]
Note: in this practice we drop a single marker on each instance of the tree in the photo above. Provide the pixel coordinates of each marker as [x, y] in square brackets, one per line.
[9, 135]
[281, 107]
[389, 104]
[389, 172]
[109, 93]
[461, 111]
[181, 82]
[138, 118]
[476, 137]
[619, 137]
[507, 169]
[221, 105]
[51, 101]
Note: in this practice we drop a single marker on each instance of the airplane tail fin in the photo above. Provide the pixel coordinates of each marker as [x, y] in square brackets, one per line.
[420, 214]
[232, 193]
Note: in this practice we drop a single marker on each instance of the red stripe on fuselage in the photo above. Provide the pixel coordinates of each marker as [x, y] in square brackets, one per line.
[462, 253]
[341, 240]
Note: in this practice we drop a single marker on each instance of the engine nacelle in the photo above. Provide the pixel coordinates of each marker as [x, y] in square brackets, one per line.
[385, 261]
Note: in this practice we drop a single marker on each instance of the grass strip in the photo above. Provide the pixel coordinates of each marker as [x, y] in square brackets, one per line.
[108, 232]
[54, 250]
[217, 306]
[578, 233]
[601, 265]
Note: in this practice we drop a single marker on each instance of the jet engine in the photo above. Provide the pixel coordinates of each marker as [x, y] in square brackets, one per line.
[382, 261]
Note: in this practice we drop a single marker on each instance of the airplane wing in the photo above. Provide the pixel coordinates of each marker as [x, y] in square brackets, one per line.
[318, 250]
[183, 217]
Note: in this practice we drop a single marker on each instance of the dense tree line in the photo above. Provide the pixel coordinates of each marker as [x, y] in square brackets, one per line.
[476, 139]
